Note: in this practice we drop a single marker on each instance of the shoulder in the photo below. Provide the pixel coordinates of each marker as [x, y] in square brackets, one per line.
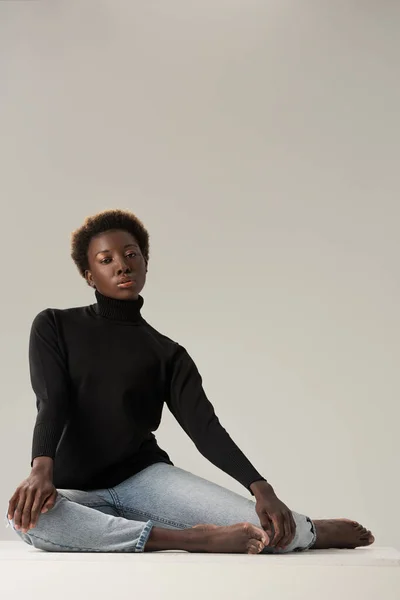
[45, 316]
[56, 316]
[173, 349]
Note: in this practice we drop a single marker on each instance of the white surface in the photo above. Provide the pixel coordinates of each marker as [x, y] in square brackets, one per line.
[360, 557]
[26, 572]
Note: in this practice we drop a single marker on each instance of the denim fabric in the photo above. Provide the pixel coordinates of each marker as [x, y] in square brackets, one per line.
[120, 519]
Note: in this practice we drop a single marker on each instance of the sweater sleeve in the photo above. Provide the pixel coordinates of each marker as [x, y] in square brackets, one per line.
[190, 406]
[50, 383]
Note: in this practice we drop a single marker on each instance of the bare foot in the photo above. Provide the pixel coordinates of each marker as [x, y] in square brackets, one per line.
[242, 538]
[341, 533]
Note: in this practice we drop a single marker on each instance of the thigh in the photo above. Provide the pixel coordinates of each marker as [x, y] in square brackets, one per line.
[172, 497]
[177, 498]
[100, 500]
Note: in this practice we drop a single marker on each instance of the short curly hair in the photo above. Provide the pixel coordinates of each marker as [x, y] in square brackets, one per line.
[99, 223]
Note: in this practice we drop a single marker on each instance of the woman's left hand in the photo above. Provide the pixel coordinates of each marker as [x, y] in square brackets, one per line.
[271, 510]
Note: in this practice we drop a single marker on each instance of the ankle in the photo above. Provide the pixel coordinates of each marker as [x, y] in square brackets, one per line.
[190, 540]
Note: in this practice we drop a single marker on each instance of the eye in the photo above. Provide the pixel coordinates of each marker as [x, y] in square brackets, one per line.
[129, 254]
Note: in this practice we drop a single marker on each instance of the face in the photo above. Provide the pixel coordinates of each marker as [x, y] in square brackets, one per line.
[113, 255]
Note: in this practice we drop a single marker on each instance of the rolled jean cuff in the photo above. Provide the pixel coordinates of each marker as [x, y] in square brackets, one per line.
[314, 536]
[144, 536]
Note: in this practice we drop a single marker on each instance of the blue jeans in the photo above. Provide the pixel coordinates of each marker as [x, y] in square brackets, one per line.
[120, 519]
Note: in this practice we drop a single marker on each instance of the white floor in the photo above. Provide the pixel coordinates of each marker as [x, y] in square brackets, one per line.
[365, 574]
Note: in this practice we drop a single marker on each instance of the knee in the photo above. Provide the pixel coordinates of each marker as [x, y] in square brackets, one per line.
[29, 537]
[35, 537]
[23, 536]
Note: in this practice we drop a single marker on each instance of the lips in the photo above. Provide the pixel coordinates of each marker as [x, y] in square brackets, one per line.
[125, 280]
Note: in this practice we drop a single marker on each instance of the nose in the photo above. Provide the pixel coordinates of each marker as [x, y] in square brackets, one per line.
[123, 266]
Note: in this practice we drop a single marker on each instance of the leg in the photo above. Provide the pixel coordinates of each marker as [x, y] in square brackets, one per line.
[173, 498]
[92, 522]
[86, 522]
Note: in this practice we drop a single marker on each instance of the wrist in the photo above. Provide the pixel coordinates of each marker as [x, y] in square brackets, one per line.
[261, 488]
[43, 465]
[43, 472]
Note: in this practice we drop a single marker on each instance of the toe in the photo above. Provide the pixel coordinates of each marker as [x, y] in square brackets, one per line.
[367, 540]
[255, 546]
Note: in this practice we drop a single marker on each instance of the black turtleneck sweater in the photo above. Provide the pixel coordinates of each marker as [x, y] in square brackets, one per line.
[101, 375]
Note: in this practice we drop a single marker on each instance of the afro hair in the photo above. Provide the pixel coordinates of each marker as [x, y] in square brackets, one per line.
[99, 223]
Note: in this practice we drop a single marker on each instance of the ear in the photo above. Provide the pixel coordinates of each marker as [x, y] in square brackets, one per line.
[89, 279]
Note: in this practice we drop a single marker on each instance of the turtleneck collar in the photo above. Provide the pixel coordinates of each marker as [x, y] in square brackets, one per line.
[119, 310]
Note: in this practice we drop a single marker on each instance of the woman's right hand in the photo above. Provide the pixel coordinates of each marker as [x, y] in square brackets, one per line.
[35, 495]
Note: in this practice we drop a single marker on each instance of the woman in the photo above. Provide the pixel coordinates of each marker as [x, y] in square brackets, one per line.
[99, 481]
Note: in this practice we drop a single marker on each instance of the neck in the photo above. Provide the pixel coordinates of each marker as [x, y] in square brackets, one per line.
[119, 310]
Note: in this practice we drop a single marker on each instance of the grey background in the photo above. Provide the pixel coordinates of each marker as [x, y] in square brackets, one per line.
[259, 143]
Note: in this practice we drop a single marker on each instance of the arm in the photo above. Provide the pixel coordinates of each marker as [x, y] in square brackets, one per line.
[190, 406]
[50, 382]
